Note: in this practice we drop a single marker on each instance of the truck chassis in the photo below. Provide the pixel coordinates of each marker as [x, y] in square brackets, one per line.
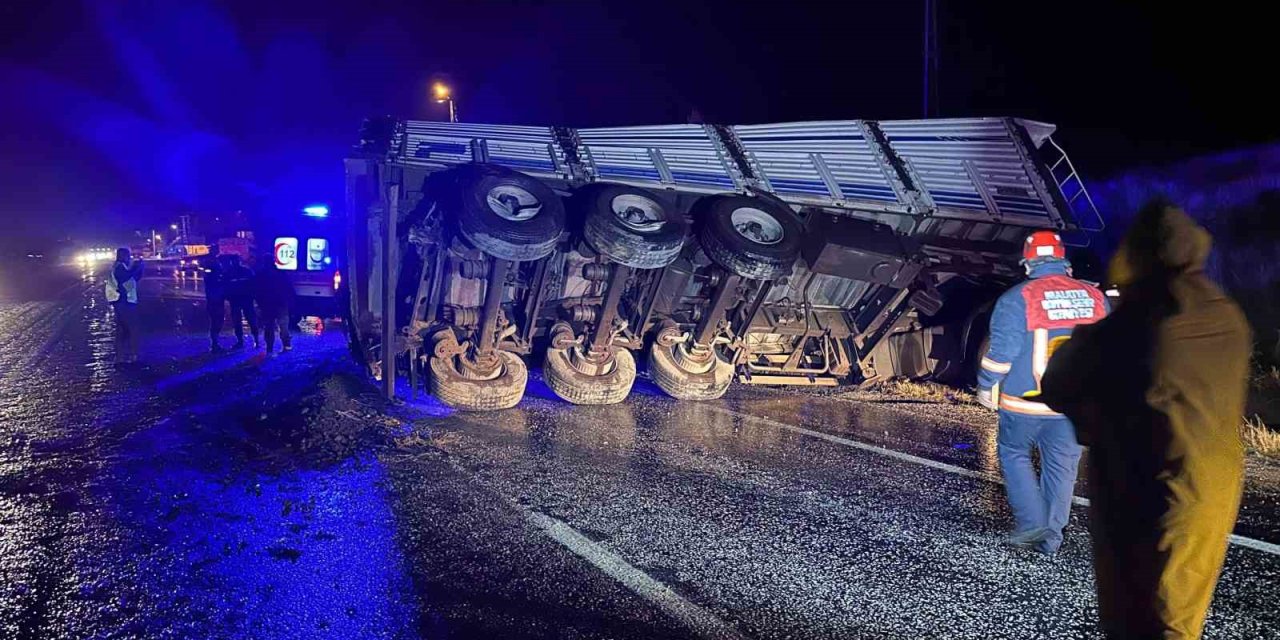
[813, 254]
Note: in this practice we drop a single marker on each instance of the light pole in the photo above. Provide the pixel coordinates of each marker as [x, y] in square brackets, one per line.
[444, 95]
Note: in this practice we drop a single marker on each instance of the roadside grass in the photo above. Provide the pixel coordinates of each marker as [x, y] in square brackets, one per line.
[923, 391]
[1259, 438]
[1257, 431]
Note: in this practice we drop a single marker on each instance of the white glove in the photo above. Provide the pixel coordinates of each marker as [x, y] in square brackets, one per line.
[986, 399]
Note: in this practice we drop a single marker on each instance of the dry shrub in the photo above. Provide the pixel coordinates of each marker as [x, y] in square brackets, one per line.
[923, 391]
[1259, 438]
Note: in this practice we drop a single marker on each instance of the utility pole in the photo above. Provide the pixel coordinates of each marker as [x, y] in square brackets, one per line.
[930, 93]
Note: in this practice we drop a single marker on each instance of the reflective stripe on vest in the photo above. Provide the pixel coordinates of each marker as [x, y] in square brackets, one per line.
[1025, 407]
[996, 367]
[113, 288]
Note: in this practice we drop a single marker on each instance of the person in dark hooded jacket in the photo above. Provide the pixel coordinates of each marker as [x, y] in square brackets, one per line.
[274, 293]
[1156, 390]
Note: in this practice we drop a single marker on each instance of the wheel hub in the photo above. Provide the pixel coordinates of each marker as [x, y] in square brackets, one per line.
[591, 363]
[638, 212]
[695, 359]
[756, 225]
[479, 367]
[513, 203]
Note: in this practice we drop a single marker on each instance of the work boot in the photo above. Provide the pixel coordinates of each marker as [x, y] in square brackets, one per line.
[239, 343]
[1026, 539]
[215, 347]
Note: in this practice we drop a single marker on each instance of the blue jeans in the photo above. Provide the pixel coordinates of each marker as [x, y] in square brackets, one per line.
[1046, 502]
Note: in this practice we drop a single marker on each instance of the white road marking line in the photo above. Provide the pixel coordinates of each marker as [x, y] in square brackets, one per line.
[704, 623]
[1252, 543]
[1259, 545]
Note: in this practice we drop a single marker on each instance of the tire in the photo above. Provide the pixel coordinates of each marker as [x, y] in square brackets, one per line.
[503, 392]
[579, 388]
[505, 213]
[975, 365]
[771, 250]
[681, 384]
[631, 227]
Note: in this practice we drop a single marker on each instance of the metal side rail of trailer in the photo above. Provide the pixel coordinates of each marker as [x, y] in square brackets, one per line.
[811, 253]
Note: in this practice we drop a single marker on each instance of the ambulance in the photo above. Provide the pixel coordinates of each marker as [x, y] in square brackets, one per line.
[306, 250]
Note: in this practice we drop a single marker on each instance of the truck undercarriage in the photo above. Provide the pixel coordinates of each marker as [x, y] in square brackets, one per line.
[816, 254]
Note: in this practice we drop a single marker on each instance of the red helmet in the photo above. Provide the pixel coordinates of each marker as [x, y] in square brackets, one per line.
[1043, 244]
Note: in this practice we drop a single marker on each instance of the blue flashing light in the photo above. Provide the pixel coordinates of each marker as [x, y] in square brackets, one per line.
[316, 211]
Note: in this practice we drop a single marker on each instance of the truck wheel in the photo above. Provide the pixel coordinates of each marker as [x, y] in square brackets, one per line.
[687, 385]
[975, 363]
[751, 237]
[580, 388]
[632, 228]
[459, 392]
[507, 214]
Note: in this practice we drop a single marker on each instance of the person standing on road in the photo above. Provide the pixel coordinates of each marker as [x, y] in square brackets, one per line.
[122, 293]
[1026, 320]
[1157, 390]
[215, 297]
[274, 293]
[238, 285]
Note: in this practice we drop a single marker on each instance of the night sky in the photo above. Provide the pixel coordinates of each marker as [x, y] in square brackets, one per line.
[117, 115]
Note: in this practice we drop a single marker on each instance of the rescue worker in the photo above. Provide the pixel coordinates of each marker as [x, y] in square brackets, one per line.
[1025, 321]
[215, 299]
[274, 294]
[122, 294]
[237, 283]
[1157, 390]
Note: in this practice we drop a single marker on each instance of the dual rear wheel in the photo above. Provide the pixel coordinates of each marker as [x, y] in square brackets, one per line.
[753, 238]
[511, 216]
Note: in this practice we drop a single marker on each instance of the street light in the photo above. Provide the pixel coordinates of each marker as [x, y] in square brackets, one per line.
[444, 95]
[174, 227]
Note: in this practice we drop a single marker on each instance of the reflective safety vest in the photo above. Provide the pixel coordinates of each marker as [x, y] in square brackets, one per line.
[113, 288]
[1025, 324]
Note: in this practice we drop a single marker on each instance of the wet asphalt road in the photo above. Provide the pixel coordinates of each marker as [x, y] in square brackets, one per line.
[235, 496]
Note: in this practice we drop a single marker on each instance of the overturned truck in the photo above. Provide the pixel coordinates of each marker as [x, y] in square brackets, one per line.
[810, 253]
